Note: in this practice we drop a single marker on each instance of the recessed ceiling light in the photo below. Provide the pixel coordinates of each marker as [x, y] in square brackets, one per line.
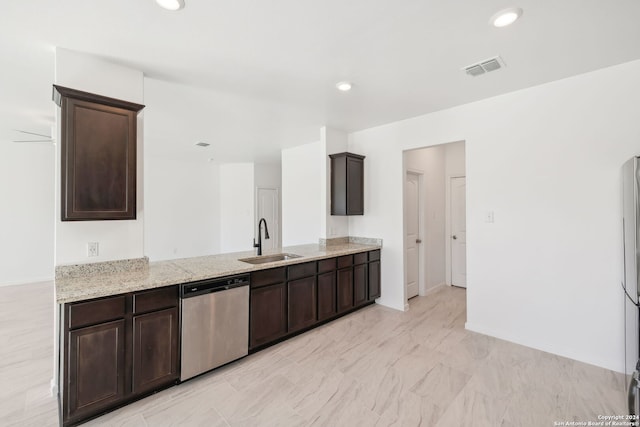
[171, 4]
[344, 86]
[506, 17]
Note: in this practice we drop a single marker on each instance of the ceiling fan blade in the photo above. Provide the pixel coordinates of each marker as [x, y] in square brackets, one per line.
[33, 133]
[35, 140]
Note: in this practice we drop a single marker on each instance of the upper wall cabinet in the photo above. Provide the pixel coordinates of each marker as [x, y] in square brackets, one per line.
[98, 156]
[347, 184]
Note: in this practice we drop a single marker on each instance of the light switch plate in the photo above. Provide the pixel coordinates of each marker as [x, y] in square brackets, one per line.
[488, 217]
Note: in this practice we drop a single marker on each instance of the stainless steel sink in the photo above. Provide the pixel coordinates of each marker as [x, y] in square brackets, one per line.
[263, 259]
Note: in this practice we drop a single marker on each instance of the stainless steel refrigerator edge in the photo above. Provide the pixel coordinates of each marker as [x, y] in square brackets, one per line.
[631, 233]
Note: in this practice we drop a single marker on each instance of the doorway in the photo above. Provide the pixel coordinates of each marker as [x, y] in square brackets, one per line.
[458, 231]
[434, 196]
[268, 207]
[413, 196]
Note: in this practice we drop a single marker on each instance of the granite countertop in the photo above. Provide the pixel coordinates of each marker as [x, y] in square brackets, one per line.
[102, 283]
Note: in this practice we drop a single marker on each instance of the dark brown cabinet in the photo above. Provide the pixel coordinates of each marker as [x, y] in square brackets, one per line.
[288, 300]
[268, 315]
[117, 349]
[359, 284]
[347, 184]
[155, 349]
[344, 283]
[326, 295]
[96, 375]
[301, 296]
[326, 289]
[98, 156]
[373, 278]
[360, 278]
[268, 306]
[301, 303]
[345, 289]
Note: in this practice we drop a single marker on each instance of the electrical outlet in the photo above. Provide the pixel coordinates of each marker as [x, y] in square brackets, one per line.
[92, 249]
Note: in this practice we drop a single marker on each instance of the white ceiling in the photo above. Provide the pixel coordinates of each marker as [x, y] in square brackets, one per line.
[252, 77]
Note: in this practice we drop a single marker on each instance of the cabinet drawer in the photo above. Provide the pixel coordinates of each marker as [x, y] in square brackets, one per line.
[97, 311]
[345, 261]
[299, 271]
[155, 299]
[326, 265]
[268, 277]
[374, 255]
[360, 258]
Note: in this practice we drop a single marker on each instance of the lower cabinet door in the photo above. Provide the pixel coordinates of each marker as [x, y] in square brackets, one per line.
[268, 320]
[326, 295]
[359, 284]
[374, 280]
[95, 369]
[345, 289]
[155, 349]
[301, 303]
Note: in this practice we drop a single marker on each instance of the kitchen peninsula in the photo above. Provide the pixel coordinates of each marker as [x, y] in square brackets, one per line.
[120, 322]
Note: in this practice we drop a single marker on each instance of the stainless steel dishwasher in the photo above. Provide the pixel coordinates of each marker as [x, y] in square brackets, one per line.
[215, 323]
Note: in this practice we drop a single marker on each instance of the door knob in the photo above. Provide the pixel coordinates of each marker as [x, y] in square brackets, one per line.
[454, 237]
[418, 241]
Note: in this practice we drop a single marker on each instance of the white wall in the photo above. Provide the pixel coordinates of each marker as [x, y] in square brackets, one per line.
[547, 161]
[182, 202]
[302, 193]
[269, 175]
[26, 217]
[454, 159]
[236, 207]
[117, 239]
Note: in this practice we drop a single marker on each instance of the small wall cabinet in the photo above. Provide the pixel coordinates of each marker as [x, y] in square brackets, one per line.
[98, 156]
[347, 184]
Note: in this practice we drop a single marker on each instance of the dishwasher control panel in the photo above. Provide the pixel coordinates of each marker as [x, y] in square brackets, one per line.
[202, 287]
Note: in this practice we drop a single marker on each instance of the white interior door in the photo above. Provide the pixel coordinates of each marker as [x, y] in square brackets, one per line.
[268, 203]
[412, 238]
[458, 232]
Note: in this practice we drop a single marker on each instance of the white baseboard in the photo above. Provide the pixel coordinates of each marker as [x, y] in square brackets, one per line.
[434, 288]
[563, 352]
[29, 281]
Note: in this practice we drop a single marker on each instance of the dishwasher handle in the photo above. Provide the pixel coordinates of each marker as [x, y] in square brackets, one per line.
[203, 287]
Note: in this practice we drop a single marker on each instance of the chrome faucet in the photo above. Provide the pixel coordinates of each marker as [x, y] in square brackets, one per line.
[266, 235]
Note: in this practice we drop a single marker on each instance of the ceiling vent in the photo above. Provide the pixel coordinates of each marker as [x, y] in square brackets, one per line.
[485, 66]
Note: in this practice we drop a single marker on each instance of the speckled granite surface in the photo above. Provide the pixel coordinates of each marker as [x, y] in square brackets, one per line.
[350, 239]
[165, 273]
[106, 267]
[365, 241]
[333, 241]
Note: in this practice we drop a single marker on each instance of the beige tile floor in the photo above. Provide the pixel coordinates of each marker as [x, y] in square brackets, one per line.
[375, 367]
